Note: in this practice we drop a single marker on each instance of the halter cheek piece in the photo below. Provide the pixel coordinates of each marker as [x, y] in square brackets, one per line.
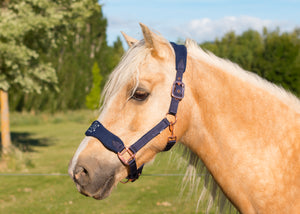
[116, 145]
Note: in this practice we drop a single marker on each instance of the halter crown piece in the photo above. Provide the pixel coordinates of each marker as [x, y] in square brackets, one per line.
[116, 145]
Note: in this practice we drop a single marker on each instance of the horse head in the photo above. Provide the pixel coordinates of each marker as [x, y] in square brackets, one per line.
[136, 98]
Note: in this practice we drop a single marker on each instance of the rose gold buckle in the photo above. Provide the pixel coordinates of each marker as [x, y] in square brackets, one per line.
[178, 92]
[126, 155]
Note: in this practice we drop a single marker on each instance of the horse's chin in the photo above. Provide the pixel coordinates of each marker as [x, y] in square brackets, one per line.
[103, 194]
[106, 190]
[101, 197]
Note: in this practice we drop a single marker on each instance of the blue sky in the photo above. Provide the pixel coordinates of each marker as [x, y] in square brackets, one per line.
[201, 20]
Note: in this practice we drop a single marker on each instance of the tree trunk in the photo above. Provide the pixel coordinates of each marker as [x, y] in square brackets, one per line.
[5, 133]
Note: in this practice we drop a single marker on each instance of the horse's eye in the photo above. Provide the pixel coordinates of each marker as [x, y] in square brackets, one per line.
[140, 95]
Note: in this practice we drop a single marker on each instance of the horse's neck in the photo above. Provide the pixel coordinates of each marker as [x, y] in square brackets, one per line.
[242, 133]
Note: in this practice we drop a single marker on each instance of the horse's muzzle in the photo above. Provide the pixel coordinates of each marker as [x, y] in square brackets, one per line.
[93, 178]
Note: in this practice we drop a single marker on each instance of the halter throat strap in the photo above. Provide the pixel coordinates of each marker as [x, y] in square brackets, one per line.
[116, 145]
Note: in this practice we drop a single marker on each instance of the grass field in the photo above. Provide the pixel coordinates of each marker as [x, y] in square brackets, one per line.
[45, 145]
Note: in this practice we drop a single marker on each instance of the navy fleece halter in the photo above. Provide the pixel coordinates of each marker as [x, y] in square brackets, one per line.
[116, 145]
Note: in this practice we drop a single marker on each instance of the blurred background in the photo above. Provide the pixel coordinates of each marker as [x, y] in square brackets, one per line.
[55, 56]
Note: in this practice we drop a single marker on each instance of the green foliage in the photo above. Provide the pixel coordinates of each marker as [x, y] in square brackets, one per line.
[273, 55]
[31, 28]
[72, 58]
[19, 61]
[280, 61]
[93, 98]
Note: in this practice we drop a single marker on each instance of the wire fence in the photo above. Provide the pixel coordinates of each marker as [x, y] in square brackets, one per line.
[62, 174]
[32, 174]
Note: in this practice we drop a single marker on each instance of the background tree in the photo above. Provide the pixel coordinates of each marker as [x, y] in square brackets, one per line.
[112, 58]
[73, 60]
[93, 98]
[273, 55]
[29, 30]
[280, 64]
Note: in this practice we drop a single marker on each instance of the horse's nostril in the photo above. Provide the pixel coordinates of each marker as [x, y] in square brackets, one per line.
[80, 171]
[81, 175]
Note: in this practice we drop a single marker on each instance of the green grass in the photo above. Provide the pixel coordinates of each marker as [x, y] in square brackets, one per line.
[47, 142]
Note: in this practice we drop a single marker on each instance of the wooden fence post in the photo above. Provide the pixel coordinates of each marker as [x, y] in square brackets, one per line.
[5, 132]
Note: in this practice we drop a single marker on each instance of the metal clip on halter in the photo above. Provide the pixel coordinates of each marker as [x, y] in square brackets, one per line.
[172, 138]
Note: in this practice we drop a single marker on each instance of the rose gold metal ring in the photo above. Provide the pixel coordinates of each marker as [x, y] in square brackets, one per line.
[172, 122]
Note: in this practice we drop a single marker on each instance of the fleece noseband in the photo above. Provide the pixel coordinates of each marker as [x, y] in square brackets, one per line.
[116, 145]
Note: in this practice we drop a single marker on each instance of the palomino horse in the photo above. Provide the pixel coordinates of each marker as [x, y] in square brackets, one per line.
[244, 129]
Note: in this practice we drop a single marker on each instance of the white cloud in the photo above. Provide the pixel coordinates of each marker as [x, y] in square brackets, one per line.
[207, 29]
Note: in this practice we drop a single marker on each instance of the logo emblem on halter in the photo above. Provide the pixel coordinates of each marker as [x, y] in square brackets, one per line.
[93, 127]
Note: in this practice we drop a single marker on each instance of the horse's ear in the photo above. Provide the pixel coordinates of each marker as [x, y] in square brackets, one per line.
[156, 43]
[130, 41]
